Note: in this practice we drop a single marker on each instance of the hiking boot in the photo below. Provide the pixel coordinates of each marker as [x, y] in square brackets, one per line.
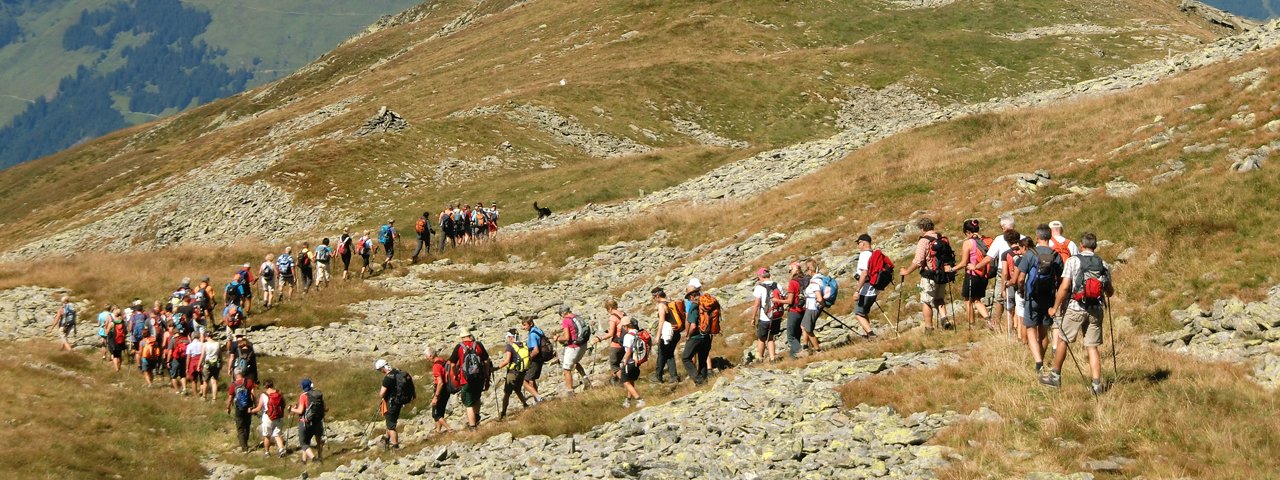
[1098, 388]
[1052, 379]
[639, 403]
[626, 403]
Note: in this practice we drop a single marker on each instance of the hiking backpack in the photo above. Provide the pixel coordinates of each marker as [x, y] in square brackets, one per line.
[180, 344]
[640, 347]
[938, 256]
[446, 224]
[546, 351]
[470, 363]
[384, 234]
[421, 226]
[453, 380]
[149, 350]
[775, 308]
[342, 245]
[677, 312]
[1042, 280]
[708, 315]
[879, 270]
[830, 290]
[405, 391]
[119, 334]
[1088, 286]
[315, 407]
[580, 334]
[243, 399]
[323, 252]
[519, 357]
[1063, 249]
[68, 316]
[268, 273]
[984, 245]
[304, 260]
[233, 319]
[275, 405]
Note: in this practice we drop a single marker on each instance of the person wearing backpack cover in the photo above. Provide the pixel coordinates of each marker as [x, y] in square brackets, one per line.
[324, 264]
[396, 392]
[933, 274]
[700, 325]
[766, 312]
[440, 390]
[64, 322]
[973, 289]
[1039, 272]
[271, 406]
[515, 360]
[634, 352]
[388, 236]
[669, 325]
[574, 335]
[540, 352]
[240, 397]
[1083, 292]
[310, 410]
[423, 231]
[874, 272]
[473, 365]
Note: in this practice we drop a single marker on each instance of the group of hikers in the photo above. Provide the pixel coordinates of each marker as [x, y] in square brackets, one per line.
[1041, 284]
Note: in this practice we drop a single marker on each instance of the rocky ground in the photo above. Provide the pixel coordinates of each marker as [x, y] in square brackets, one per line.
[27, 312]
[1232, 331]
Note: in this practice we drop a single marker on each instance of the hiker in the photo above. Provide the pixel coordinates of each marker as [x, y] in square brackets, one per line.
[423, 231]
[574, 334]
[699, 331]
[516, 361]
[445, 221]
[135, 323]
[472, 361]
[175, 352]
[999, 254]
[240, 396]
[795, 307]
[396, 391]
[463, 224]
[935, 272]
[669, 325]
[1039, 272]
[267, 272]
[64, 322]
[630, 367]
[388, 236]
[323, 256]
[973, 289]
[614, 336]
[150, 358]
[232, 318]
[211, 365]
[1060, 243]
[874, 270]
[205, 298]
[310, 410]
[285, 269]
[1017, 303]
[195, 363]
[242, 357]
[479, 223]
[813, 299]
[767, 311]
[306, 267]
[539, 353]
[1083, 292]
[117, 338]
[493, 218]
[345, 248]
[104, 320]
[271, 406]
[440, 391]
[365, 248]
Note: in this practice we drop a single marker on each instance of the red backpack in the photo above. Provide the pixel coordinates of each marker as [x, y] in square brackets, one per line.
[118, 327]
[879, 270]
[275, 405]
[776, 307]
[984, 245]
[180, 347]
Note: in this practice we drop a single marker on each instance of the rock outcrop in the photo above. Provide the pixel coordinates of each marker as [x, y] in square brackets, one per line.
[1232, 331]
[386, 121]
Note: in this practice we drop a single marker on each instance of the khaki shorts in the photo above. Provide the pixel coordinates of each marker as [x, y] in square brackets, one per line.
[932, 293]
[1087, 321]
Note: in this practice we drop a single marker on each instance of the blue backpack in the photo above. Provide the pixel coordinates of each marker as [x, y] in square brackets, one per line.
[243, 399]
[829, 284]
[384, 235]
[1043, 278]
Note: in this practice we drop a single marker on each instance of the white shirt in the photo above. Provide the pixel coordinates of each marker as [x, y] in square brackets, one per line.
[864, 264]
[195, 349]
[627, 341]
[262, 400]
[210, 350]
[812, 292]
[998, 249]
[665, 332]
[761, 292]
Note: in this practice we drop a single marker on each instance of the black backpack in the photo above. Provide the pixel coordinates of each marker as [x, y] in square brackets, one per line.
[405, 391]
[546, 350]
[939, 256]
[315, 407]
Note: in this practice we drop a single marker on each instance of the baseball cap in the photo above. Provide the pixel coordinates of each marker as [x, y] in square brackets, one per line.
[1055, 224]
[864, 238]
[380, 364]
[762, 272]
[306, 385]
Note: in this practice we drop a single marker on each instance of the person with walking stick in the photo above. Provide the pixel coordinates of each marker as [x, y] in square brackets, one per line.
[1083, 292]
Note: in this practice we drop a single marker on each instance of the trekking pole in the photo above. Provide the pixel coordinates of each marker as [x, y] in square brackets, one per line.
[898, 314]
[1071, 352]
[1111, 324]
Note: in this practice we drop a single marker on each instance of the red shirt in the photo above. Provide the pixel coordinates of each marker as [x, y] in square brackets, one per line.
[302, 402]
[248, 384]
[793, 288]
[437, 369]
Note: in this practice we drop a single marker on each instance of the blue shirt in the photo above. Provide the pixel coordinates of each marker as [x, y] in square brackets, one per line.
[691, 315]
[535, 337]
[103, 318]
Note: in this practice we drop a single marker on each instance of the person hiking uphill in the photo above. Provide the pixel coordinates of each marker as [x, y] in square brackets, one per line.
[515, 360]
[271, 406]
[64, 322]
[973, 289]
[874, 271]
[396, 392]
[1039, 272]
[422, 230]
[795, 306]
[813, 304]
[346, 246]
[440, 390]
[998, 254]
[766, 313]
[365, 248]
[703, 314]
[474, 367]
[574, 335]
[669, 325]
[936, 270]
[614, 336]
[285, 268]
[311, 411]
[632, 346]
[388, 236]
[1083, 293]
[1060, 243]
[242, 357]
[324, 264]
[211, 365]
[104, 321]
[240, 398]
[306, 267]
[540, 352]
[267, 274]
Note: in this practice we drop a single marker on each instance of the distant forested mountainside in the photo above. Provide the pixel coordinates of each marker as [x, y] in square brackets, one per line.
[73, 70]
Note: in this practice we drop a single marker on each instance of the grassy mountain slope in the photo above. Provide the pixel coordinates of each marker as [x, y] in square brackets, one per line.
[761, 73]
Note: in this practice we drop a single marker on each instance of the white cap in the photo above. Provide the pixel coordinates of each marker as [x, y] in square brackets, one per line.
[380, 364]
[693, 282]
[1055, 224]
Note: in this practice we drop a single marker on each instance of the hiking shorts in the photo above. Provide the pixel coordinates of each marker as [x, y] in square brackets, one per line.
[973, 287]
[150, 365]
[65, 333]
[1088, 322]
[193, 368]
[932, 294]
[392, 416]
[615, 357]
[514, 381]
[287, 280]
[534, 372]
[470, 394]
[767, 331]
[570, 357]
[630, 372]
[322, 270]
[309, 431]
[271, 428]
[863, 307]
[177, 368]
[1037, 315]
[211, 371]
[268, 286]
[438, 411]
[116, 349]
[809, 322]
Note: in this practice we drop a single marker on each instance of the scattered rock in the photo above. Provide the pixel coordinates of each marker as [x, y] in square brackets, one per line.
[386, 121]
[1121, 189]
